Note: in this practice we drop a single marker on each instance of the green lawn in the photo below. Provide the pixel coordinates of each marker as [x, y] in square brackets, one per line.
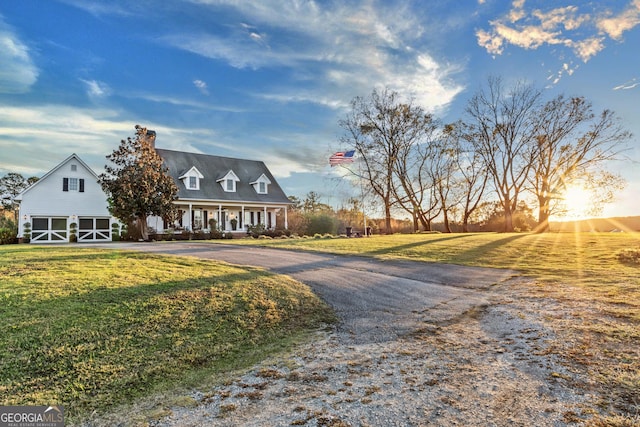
[91, 329]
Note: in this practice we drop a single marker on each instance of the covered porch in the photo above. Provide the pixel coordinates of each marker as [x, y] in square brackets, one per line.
[225, 217]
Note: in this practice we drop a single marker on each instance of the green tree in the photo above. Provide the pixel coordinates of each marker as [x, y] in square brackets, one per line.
[312, 204]
[137, 183]
[11, 185]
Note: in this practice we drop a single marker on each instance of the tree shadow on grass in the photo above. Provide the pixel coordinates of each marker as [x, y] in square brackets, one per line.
[482, 250]
[111, 345]
[393, 249]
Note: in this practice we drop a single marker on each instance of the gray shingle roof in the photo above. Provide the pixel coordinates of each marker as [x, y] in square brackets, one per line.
[215, 167]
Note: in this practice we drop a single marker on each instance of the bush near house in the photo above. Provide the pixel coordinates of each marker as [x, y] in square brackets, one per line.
[8, 231]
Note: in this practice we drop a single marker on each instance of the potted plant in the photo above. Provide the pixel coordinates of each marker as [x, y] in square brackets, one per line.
[115, 232]
[234, 224]
[26, 227]
[73, 230]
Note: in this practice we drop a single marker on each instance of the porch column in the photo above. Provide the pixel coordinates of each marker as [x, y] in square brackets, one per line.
[286, 221]
[221, 226]
[190, 216]
[264, 218]
[242, 218]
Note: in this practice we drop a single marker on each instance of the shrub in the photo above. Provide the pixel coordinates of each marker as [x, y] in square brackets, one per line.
[8, 231]
[8, 236]
[322, 224]
[199, 235]
[629, 256]
[255, 230]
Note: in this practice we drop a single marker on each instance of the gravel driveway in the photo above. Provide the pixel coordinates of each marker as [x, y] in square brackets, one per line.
[375, 300]
[417, 344]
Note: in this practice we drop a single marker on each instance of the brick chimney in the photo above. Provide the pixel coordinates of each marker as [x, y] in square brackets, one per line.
[151, 137]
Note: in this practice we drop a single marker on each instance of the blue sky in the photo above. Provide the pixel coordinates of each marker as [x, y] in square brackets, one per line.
[270, 80]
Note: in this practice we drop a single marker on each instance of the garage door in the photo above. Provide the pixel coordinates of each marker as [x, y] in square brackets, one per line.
[94, 229]
[49, 230]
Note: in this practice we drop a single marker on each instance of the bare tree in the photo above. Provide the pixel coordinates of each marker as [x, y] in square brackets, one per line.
[503, 134]
[573, 145]
[469, 172]
[384, 131]
[414, 189]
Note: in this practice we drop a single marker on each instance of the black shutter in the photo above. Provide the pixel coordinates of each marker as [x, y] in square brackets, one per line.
[65, 184]
[81, 185]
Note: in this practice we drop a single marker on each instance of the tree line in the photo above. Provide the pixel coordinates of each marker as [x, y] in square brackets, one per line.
[511, 145]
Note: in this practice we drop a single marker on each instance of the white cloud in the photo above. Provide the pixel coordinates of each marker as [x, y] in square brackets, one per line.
[532, 29]
[17, 72]
[100, 8]
[27, 133]
[355, 46]
[588, 48]
[184, 102]
[615, 26]
[628, 85]
[96, 89]
[201, 86]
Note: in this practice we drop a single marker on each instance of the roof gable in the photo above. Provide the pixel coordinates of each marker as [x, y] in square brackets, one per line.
[192, 172]
[73, 157]
[229, 175]
[261, 178]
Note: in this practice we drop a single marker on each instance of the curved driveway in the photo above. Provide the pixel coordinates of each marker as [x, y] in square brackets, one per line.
[376, 300]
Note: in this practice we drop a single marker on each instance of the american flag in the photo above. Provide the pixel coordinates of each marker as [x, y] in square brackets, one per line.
[341, 157]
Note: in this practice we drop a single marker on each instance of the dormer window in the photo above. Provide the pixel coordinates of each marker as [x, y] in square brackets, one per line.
[191, 179]
[261, 185]
[228, 182]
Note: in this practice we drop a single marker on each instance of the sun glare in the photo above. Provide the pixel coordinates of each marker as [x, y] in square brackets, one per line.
[578, 203]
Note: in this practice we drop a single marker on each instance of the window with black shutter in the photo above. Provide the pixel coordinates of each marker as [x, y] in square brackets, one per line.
[65, 184]
[81, 185]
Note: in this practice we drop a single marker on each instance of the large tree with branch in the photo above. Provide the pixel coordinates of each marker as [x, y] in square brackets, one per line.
[503, 131]
[137, 183]
[470, 174]
[387, 133]
[573, 144]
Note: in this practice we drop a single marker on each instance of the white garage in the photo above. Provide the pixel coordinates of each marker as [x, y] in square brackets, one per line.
[68, 199]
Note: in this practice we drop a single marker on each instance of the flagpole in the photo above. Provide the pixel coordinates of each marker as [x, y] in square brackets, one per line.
[364, 215]
[342, 157]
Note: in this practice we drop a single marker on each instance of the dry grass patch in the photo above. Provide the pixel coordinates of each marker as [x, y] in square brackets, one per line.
[594, 277]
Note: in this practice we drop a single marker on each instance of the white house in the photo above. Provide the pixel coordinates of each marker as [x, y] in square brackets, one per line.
[68, 194]
[236, 193]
